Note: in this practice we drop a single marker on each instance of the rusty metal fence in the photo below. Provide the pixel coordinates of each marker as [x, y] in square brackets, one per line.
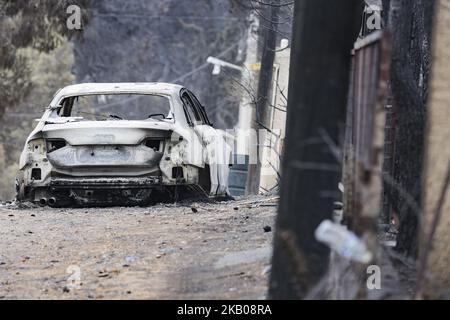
[365, 130]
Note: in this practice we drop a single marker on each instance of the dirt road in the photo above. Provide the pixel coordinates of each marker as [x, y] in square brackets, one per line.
[177, 251]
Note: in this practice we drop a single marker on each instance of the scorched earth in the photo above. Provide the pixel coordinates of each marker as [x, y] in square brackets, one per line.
[214, 250]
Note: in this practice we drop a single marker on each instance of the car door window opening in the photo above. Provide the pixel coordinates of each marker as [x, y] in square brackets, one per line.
[192, 109]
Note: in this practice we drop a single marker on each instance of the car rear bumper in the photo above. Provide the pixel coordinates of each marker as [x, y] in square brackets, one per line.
[112, 191]
[105, 183]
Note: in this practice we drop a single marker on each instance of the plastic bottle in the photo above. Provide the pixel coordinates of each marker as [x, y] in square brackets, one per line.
[343, 241]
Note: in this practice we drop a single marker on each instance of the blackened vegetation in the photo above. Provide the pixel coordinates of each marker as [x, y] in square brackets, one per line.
[166, 41]
[410, 22]
[26, 24]
[310, 169]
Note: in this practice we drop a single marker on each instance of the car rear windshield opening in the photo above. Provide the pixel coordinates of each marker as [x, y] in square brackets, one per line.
[116, 106]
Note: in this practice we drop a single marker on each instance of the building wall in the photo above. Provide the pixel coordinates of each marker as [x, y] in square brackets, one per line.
[437, 141]
[273, 146]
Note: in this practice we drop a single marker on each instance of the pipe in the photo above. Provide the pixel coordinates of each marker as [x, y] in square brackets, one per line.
[43, 201]
[52, 201]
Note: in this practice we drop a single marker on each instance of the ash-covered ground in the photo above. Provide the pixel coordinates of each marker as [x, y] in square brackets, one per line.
[202, 250]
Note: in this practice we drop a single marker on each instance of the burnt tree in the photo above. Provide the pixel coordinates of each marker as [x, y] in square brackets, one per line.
[323, 36]
[264, 91]
[410, 22]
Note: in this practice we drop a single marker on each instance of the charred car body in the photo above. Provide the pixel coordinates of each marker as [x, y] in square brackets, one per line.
[132, 143]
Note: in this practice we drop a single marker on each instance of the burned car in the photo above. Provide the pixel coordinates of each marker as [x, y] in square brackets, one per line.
[123, 143]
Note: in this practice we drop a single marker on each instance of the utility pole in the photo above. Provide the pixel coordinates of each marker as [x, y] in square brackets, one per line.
[323, 36]
[262, 102]
[249, 80]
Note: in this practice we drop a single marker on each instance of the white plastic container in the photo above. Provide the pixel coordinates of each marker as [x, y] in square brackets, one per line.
[343, 241]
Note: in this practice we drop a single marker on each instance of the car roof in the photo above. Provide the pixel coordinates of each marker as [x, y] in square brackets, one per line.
[120, 87]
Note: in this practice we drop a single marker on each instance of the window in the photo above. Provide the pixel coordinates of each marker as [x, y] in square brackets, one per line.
[200, 108]
[116, 106]
[193, 115]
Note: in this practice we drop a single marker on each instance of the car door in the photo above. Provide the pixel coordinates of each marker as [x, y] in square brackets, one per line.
[216, 150]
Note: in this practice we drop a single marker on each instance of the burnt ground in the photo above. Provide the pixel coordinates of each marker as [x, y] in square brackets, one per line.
[199, 250]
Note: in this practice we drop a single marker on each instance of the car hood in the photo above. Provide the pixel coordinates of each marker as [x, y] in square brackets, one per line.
[115, 132]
